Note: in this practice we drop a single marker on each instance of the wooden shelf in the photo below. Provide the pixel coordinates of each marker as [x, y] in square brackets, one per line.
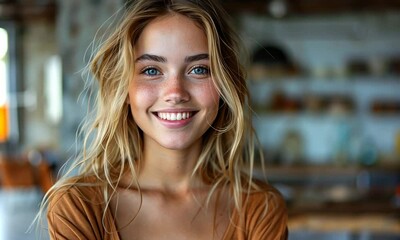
[378, 224]
[325, 170]
[336, 190]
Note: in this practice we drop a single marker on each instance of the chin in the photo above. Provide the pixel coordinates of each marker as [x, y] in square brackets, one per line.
[178, 145]
[175, 146]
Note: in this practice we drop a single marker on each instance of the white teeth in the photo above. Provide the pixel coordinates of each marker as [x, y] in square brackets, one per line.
[174, 116]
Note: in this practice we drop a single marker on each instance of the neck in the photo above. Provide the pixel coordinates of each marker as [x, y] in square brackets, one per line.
[169, 170]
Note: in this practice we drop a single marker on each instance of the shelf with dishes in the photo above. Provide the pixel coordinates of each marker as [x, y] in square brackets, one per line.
[371, 95]
[336, 190]
[307, 120]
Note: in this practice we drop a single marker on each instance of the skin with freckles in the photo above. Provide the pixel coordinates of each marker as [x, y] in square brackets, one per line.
[172, 75]
[173, 101]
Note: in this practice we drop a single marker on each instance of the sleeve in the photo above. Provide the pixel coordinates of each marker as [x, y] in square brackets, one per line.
[267, 217]
[72, 216]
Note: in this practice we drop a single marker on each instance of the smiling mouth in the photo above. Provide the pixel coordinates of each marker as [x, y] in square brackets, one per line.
[170, 116]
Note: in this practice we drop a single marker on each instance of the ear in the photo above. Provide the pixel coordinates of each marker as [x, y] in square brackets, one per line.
[127, 100]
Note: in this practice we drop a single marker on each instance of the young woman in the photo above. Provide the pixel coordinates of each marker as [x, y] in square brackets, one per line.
[170, 152]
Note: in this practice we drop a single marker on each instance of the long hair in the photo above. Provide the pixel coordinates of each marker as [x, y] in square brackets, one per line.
[112, 140]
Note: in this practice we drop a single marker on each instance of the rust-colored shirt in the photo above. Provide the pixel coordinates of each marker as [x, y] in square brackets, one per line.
[78, 213]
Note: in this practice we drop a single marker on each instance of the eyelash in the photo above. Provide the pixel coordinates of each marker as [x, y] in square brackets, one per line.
[202, 67]
[146, 69]
[207, 69]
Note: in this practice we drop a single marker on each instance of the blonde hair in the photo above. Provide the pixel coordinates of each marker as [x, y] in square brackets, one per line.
[113, 142]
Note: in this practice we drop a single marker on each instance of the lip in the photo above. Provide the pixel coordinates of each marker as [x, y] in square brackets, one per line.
[175, 123]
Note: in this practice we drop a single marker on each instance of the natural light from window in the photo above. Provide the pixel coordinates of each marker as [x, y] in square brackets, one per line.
[3, 86]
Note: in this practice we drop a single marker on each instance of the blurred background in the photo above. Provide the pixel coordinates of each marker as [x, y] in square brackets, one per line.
[324, 78]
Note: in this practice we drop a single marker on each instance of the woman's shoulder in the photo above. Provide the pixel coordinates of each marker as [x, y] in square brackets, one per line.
[76, 191]
[263, 187]
[264, 194]
[265, 214]
[77, 210]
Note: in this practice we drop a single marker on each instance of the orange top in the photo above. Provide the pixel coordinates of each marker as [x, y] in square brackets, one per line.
[78, 213]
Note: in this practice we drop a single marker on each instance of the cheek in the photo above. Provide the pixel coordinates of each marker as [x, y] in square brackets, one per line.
[140, 96]
[213, 93]
[211, 96]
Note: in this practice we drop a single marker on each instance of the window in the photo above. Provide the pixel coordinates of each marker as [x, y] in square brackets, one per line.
[9, 121]
[4, 89]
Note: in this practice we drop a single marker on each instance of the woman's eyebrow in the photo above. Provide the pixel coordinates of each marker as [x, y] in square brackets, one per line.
[156, 58]
[197, 57]
[151, 57]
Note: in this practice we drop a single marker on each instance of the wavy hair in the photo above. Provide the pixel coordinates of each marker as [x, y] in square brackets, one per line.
[113, 142]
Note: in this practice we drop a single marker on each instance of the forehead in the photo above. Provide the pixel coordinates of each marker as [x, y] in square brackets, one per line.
[172, 30]
[172, 20]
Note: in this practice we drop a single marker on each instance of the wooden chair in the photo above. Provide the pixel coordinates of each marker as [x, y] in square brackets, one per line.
[16, 173]
[19, 172]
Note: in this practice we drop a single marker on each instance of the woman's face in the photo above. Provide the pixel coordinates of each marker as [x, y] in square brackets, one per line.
[172, 97]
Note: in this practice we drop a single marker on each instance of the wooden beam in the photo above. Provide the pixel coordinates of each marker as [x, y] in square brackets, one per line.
[311, 7]
[28, 12]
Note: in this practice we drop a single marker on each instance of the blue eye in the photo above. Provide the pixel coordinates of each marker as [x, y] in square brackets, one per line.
[200, 70]
[151, 71]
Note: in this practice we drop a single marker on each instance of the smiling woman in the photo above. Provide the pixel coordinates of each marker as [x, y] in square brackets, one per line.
[171, 148]
[170, 82]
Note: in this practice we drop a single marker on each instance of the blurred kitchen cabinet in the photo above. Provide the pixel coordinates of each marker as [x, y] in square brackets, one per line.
[336, 119]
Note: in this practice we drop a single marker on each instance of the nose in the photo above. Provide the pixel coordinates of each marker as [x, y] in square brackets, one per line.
[176, 90]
